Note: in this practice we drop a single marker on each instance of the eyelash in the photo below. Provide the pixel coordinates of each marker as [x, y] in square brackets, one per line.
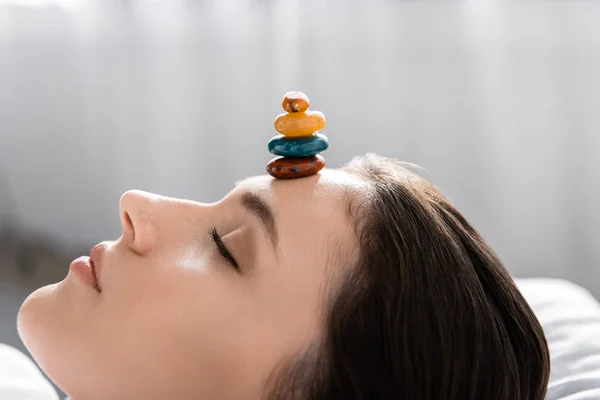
[223, 249]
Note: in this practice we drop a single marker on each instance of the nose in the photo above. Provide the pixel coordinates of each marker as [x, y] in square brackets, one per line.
[138, 217]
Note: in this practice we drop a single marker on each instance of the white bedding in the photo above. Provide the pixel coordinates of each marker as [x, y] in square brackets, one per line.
[20, 379]
[571, 320]
[569, 314]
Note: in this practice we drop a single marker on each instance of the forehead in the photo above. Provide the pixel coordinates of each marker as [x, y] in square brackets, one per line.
[328, 181]
[324, 197]
[312, 214]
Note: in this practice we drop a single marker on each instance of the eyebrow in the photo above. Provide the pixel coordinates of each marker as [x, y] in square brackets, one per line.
[257, 206]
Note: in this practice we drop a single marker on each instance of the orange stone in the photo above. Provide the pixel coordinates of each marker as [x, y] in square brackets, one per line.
[300, 123]
[295, 167]
[294, 102]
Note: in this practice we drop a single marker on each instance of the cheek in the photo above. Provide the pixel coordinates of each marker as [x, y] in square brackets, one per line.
[159, 318]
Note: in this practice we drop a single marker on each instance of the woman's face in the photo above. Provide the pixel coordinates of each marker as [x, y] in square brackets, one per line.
[174, 318]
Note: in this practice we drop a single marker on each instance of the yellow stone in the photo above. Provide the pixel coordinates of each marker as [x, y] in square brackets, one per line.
[300, 123]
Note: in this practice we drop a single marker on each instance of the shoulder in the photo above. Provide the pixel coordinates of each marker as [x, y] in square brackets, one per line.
[20, 378]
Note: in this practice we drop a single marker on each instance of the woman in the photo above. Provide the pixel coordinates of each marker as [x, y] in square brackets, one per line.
[359, 283]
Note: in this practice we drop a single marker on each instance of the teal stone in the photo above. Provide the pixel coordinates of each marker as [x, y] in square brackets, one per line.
[303, 146]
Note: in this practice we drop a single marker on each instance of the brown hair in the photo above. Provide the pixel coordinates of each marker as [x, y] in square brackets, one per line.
[428, 313]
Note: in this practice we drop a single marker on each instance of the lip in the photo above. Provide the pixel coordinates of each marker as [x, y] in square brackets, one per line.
[83, 268]
[96, 255]
[89, 269]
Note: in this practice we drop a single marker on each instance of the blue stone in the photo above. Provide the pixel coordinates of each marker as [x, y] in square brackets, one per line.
[304, 146]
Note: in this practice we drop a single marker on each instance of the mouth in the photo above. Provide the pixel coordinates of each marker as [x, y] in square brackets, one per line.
[94, 271]
[89, 269]
[96, 255]
[83, 269]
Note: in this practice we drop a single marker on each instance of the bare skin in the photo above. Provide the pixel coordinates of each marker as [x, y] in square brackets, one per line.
[174, 318]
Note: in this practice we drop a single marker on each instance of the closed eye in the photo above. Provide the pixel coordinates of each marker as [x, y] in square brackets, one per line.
[223, 249]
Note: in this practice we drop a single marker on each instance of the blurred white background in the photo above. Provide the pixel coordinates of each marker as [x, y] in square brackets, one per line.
[499, 101]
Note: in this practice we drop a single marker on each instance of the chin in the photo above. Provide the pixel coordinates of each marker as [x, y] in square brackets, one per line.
[36, 320]
[49, 324]
[43, 326]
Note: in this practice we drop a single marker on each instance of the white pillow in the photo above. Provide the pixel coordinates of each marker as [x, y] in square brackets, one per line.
[570, 316]
[20, 378]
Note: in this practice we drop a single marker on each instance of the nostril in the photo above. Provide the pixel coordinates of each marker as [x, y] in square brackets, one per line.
[129, 224]
[138, 217]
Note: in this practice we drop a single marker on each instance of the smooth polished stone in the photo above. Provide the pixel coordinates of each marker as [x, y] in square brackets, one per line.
[304, 146]
[294, 102]
[300, 123]
[291, 168]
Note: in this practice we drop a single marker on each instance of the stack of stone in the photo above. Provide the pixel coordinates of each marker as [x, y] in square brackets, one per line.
[300, 142]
